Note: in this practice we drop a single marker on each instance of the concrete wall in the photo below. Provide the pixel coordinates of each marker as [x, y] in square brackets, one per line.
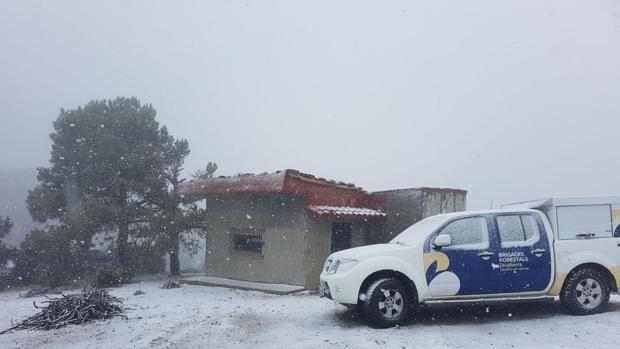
[296, 243]
[319, 241]
[282, 216]
[436, 202]
[189, 261]
[405, 207]
[318, 247]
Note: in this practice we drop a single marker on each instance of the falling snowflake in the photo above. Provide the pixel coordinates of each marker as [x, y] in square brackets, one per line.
[10, 264]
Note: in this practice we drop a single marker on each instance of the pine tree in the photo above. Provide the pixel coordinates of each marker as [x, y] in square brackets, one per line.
[110, 170]
[178, 217]
[208, 172]
[5, 228]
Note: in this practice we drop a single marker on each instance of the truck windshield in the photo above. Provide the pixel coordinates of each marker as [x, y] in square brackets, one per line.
[419, 231]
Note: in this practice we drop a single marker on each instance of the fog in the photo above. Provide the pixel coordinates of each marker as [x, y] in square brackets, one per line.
[511, 100]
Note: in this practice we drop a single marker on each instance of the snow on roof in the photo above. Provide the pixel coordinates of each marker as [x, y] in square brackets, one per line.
[280, 181]
[241, 183]
[528, 204]
[323, 210]
[447, 190]
[566, 201]
[337, 198]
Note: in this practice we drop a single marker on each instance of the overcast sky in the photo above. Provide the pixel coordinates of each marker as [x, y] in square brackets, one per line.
[511, 100]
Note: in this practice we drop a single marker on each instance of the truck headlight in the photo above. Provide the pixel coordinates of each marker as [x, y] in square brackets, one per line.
[346, 265]
[341, 265]
[328, 263]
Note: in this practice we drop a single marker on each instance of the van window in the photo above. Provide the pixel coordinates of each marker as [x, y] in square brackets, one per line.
[467, 233]
[517, 230]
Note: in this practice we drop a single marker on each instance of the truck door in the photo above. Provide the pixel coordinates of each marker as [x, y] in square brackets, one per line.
[524, 254]
[464, 267]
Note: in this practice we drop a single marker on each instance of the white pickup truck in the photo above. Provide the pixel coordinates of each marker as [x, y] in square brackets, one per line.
[527, 251]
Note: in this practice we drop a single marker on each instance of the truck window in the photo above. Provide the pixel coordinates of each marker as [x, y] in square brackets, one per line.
[467, 233]
[517, 230]
[584, 219]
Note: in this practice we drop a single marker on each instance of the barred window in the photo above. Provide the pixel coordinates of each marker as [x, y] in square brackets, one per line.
[247, 240]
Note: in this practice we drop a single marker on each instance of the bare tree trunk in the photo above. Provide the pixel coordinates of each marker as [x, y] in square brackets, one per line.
[206, 253]
[173, 252]
[122, 243]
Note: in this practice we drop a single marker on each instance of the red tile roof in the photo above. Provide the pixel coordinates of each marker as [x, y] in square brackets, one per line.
[349, 212]
[323, 196]
[316, 190]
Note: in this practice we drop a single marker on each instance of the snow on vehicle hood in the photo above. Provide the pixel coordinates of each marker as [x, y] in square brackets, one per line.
[364, 252]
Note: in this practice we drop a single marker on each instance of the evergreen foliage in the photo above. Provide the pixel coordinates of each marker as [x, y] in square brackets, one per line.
[112, 169]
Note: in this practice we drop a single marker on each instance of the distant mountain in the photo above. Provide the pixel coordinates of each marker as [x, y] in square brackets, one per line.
[14, 186]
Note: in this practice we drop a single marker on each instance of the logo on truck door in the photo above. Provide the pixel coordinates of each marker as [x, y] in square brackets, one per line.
[513, 260]
[456, 269]
[442, 281]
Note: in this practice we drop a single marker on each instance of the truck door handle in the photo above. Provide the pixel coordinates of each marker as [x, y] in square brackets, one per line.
[585, 235]
[538, 252]
[486, 255]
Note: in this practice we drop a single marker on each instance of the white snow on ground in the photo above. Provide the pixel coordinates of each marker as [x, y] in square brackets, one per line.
[211, 317]
[247, 285]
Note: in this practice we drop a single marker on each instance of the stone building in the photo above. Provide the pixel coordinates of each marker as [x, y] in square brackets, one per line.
[280, 227]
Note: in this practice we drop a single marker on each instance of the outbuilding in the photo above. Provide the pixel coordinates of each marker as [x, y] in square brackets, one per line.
[280, 227]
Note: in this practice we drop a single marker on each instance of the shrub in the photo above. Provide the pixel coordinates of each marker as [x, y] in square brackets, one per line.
[145, 258]
[109, 276]
[48, 258]
[18, 268]
[51, 258]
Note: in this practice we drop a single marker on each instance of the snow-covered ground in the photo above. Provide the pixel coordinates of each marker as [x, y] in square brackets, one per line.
[210, 317]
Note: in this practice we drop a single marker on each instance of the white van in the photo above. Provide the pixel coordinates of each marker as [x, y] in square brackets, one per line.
[567, 247]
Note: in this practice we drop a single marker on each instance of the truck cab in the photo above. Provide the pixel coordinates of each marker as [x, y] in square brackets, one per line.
[525, 251]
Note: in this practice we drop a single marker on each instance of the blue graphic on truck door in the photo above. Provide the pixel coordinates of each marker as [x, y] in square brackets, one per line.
[463, 267]
[490, 254]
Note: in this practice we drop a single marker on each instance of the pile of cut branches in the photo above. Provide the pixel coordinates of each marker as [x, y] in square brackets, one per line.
[170, 284]
[89, 305]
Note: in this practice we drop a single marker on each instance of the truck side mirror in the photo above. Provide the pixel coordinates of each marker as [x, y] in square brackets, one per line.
[442, 241]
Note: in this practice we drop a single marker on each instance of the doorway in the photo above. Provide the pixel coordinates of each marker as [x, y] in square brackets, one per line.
[341, 236]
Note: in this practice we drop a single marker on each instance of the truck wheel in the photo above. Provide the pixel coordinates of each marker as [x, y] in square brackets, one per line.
[387, 303]
[586, 292]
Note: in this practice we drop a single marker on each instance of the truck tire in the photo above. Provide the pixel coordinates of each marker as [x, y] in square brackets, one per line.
[387, 303]
[586, 292]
